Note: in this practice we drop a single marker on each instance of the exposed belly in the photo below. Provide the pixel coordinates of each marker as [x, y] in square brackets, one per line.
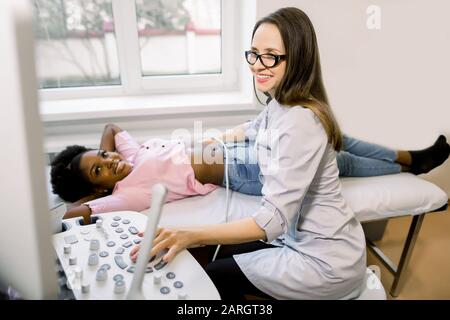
[208, 167]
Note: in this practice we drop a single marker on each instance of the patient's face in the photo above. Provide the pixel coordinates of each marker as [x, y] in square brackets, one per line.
[103, 168]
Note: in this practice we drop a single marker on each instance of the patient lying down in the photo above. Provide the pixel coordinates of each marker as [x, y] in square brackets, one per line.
[120, 174]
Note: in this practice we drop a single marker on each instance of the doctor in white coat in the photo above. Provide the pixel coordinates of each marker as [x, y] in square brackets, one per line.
[312, 246]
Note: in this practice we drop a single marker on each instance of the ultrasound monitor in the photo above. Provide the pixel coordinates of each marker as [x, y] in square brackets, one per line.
[27, 259]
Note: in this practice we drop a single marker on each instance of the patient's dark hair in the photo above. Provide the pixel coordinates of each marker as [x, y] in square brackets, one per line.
[67, 180]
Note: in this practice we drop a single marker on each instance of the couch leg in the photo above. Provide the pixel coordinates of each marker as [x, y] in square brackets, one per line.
[406, 253]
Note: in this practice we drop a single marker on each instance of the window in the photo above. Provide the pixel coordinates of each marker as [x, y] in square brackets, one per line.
[94, 48]
[76, 44]
[187, 33]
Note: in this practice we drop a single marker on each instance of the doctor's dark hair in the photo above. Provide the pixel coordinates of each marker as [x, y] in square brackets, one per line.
[67, 180]
[302, 83]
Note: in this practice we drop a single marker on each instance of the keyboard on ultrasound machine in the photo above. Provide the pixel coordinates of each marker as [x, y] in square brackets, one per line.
[96, 261]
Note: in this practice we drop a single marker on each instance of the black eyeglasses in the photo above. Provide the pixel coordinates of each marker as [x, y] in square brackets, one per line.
[268, 60]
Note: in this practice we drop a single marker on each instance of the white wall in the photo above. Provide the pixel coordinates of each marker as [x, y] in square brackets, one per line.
[388, 86]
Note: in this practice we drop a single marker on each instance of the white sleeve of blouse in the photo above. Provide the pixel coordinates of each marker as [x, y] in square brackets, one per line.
[301, 145]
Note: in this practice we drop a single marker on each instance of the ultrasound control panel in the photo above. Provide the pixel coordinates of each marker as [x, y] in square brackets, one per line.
[97, 264]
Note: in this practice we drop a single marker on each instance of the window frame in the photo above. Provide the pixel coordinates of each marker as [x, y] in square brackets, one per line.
[132, 81]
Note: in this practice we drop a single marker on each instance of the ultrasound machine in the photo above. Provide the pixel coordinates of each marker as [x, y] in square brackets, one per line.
[94, 258]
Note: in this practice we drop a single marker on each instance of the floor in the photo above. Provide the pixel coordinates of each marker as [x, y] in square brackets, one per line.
[428, 272]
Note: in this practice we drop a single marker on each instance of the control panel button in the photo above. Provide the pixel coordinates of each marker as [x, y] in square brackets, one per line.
[103, 254]
[178, 284]
[117, 218]
[110, 244]
[71, 239]
[119, 261]
[170, 275]
[114, 224]
[106, 266]
[118, 277]
[119, 286]
[120, 250]
[165, 290]
[126, 221]
[102, 274]
[123, 236]
[127, 244]
[161, 264]
[133, 230]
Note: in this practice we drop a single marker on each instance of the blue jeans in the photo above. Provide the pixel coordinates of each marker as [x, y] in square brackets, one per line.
[357, 159]
[243, 169]
[362, 159]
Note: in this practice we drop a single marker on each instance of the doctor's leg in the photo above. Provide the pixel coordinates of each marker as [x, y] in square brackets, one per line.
[227, 276]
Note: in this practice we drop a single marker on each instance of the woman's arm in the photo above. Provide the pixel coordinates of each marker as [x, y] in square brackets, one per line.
[80, 211]
[108, 143]
[240, 231]
[175, 240]
[241, 132]
[235, 134]
[83, 200]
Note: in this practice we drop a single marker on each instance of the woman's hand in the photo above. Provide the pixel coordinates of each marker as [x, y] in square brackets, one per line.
[174, 240]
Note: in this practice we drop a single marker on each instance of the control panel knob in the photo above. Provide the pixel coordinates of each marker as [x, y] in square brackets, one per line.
[157, 279]
[182, 296]
[99, 223]
[85, 287]
[72, 260]
[94, 244]
[93, 259]
[78, 273]
[67, 249]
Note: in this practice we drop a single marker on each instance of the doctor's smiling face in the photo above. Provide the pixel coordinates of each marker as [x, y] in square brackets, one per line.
[267, 58]
[103, 168]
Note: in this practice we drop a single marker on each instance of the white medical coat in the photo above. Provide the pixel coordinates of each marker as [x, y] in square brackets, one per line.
[320, 251]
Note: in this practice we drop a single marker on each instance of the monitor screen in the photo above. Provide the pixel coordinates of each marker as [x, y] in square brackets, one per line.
[27, 259]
